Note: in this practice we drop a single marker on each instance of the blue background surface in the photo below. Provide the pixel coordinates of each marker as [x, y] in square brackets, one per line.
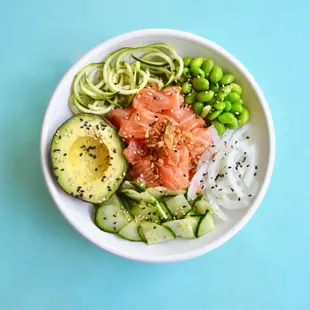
[45, 264]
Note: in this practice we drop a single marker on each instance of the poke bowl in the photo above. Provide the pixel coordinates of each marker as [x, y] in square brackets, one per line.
[157, 145]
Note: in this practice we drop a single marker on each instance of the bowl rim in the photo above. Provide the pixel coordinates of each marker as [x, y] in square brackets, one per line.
[270, 165]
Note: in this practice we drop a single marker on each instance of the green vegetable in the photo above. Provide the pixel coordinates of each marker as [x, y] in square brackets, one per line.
[196, 62]
[226, 118]
[187, 61]
[233, 125]
[215, 87]
[243, 117]
[216, 74]
[227, 79]
[233, 97]
[205, 111]
[220, 105]
[220, 128]
[207, 66]
[183, 79]
[223, 92]
[185, 73]
[200, 84]
[227, 106]
[190, 98]
[196, 72]
[198, 106]
[186, 88]
[213, 115]
[236, 88]
[236, 107]
[240, 101]
[205, 96]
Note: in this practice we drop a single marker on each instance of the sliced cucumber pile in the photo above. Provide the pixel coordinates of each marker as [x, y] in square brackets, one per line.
[100, 87]
[154, 215]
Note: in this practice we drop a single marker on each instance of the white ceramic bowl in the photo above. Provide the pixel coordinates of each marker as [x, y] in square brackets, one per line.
[78, 213]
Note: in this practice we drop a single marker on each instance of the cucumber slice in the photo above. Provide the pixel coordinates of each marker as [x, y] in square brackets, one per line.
[144, 212]
[155, 233]
[178, 206]
[160, 191]
[130, 231]
[145, 197]
[140, 187]
[166, 210]
[201, 206]
[194, 220]
[114, 200]
[182, 228]
[205, 225]
[112, 218]
[141, 233]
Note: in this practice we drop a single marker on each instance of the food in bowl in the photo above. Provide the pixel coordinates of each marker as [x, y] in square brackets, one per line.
[159, 144]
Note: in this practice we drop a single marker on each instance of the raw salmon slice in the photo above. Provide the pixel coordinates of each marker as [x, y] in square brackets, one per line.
[173, 177]
[138, 124]
[158, 101]
[142, 170]
[177, 157]
[134, 151]
[185, 118]
[202, 140]
[120, 116]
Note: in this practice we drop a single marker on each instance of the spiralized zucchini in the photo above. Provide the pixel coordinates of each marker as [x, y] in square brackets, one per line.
[100, 87]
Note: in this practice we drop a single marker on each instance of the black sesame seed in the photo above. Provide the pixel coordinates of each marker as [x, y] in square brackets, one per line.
[56, 150]
[114, 223]
[249, 195]
[55, 168]
[239, 199]
[255, 167]
[229, 167]
[232, 189]
[255, 174]
[105, 218]
[183, 207]
[248, 137]
[149, 213]
[81, 154]
[90, 196]
[65, 154]
[81, 119]
[247, 166]
[114, 215]
[62, 169]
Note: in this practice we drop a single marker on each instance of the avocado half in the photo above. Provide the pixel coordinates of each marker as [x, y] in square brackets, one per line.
[87, 157]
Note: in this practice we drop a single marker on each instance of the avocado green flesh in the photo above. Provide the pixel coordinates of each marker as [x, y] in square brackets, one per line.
[87, 157]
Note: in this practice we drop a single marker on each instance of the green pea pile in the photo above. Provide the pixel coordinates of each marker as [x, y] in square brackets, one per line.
[214, 95]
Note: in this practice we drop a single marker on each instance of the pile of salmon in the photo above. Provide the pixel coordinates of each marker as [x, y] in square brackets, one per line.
[164, 137]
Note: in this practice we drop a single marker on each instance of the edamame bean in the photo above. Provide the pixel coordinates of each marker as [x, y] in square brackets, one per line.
[227, 79]
[200, 84]
[215, 87]
[223, 92]
[240, 101]
[187, 61]
[183, 79]
[233, 125]
[236, 108]
[226, 118]
[205, 96]
[198, 106]
[190, 98]
[233, 97]
[186, 73]
[216, 74]
[220, 128]
[220, 105]
[207, 66]
[186, 88]
[196, 62]
[236, 88]
[196, 72]
[212, 101]
[227, 106]
[243, 117]
[213, 115]
[205, 111]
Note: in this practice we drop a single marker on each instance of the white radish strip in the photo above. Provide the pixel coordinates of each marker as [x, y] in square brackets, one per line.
[195, 183]
[230, 175]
